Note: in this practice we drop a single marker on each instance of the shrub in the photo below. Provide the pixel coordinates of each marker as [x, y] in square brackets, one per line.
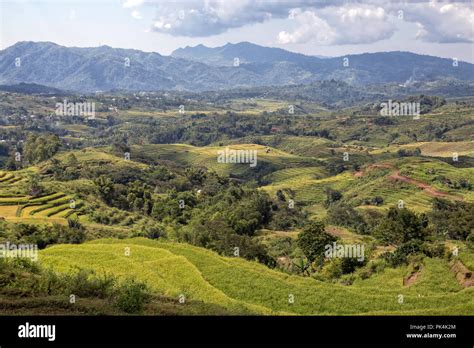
[131, 296]
[470, 240]
[85, 283]
[434, 249]
[400, 255]
[332, 196]
[332, 269]
[401, 226]
[344, 215]
[453, 219]
[313, 239]
[374, 266]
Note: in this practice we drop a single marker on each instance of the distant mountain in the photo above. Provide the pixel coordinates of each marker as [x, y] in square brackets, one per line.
[337, 94]
[245, 52]
[201, 68]
[31, 88]
[367, 68]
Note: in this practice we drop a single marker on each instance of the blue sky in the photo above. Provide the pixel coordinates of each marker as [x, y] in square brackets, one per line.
[330, 28]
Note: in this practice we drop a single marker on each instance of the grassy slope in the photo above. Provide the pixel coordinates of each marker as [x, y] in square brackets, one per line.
[298, 145]
[55, 207]
[240, 285]
[207, 156]
[307, 185]
[301, 176]
[434, 149]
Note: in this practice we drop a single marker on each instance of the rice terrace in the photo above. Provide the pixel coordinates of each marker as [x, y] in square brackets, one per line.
[214, 161]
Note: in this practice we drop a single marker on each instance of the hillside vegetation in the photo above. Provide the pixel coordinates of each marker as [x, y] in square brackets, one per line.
[149, 173]
[173, 269]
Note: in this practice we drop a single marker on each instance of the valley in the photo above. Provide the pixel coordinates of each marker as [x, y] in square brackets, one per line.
[210, 236]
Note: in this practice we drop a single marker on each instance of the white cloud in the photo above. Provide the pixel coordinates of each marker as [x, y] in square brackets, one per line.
[72, 14]
[320, 21]
[204, 18]
[311, 28]
[349, 24]
[136, 14]
[132, 3]
[442, 22]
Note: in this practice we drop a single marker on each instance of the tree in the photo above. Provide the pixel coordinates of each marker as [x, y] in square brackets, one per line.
[195, 176]
[313, 239]
[401, 226]
[33, 185]
[332, 196]
[71, 160]
[39, 148]
[454, 220]
[377, 200]
[104, 187]
[281, 196]
[344, 215]
[73, 233]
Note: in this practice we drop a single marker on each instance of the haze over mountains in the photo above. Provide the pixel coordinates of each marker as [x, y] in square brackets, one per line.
[202, 68]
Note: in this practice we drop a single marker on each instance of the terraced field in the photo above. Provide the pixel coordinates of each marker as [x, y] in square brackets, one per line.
[435, 149]
[8, 178]
[51, 208]
[305, 184]
[202, 275]
[207, 156]
[297, 145]
[415, 181]
[55, 207]
[99, 157]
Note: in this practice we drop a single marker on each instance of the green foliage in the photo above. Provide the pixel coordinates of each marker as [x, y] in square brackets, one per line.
[33, 186]
[86, 283]
[39, 148]
[104, 187]
[332, 196]
[23, 277]
[408, 153]
[195, 176]
[400, 255]
[44, 235]
[427, 103]
[313, 239]
[453, 220]
[401, 226]
[131, 296]
[215, 233]
[344, 215]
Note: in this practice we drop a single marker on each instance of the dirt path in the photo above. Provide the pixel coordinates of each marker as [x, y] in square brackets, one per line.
[463, 274]
[411, 279]
[372, 166]
[395, 175]
[430, 190]
[343, 233]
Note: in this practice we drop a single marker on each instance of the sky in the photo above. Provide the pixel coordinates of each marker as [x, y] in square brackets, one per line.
[317, 27]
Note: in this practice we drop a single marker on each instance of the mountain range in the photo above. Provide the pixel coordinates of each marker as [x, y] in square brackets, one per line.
[202, 68]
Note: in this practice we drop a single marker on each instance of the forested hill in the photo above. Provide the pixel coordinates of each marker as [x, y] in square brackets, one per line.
[105, 68]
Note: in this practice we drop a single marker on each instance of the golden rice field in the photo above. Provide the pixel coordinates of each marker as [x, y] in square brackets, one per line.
[176, 269]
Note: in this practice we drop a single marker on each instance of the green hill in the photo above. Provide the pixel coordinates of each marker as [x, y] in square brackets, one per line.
[173, 269]
[188, 155]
